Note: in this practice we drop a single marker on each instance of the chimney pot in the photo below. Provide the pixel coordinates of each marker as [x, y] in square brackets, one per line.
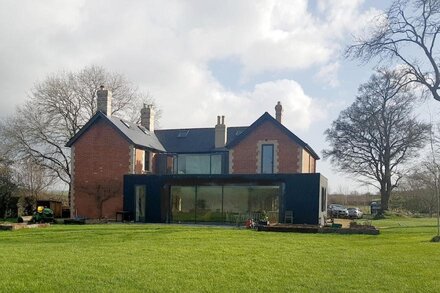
[278, 111]
[220, 133]
[104, 100]
[147, 117]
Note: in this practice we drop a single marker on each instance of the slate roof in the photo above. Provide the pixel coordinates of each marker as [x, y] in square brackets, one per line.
[189, 140]
[136, 134]
[193, 140]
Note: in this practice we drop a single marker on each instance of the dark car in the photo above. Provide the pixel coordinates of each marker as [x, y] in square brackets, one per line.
[337, 211]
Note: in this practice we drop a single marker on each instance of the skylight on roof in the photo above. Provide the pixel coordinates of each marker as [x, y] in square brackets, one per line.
[144, 130]
[125, 123]
[183, 133]
[238, 132]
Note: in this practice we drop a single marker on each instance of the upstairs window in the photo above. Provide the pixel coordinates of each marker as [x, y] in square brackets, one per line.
[198, 164]
[147, 161]
[267, 156]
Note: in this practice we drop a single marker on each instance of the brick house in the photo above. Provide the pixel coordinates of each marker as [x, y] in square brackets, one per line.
[107, 148]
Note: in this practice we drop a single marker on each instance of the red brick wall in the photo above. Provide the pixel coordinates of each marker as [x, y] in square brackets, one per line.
[244, 154]
[101, 158]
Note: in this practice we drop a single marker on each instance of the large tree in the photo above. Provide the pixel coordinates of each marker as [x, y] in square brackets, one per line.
[378, 133]
[57, 108]
[407, 34]
[7, 186]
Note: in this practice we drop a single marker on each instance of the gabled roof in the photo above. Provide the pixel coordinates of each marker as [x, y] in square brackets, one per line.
[135, 134]
[193, 140]
[266, 117]
[189, 140]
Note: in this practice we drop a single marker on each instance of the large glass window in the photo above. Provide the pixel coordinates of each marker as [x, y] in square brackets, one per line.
[235, 204]
[227, 204]
[183, 203]
[264, 202]
[198, 164]
[267, 158]
[216, 164]
[209, 206]
[140, 197]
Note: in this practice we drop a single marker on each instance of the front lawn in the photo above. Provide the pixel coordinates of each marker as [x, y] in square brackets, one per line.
[164, 258]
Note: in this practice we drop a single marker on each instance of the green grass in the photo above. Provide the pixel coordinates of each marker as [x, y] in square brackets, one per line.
[167, 258]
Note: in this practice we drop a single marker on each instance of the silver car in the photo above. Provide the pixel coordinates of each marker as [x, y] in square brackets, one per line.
[355, 213]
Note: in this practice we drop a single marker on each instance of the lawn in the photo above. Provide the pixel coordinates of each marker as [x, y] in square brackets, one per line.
[167, 258]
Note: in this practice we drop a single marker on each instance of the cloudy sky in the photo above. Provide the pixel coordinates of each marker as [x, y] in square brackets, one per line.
[198, 59]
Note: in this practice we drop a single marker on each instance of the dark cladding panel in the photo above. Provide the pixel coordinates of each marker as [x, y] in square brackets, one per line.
[300, 193]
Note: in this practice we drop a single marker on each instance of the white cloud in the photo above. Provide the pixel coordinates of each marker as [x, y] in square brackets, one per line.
[328, 74]
[165, 47]
[202, 100]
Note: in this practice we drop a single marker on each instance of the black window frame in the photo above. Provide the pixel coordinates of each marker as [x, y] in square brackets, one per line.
[211, 155]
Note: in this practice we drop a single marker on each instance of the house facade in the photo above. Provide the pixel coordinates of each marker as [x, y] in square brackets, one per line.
[218, 174]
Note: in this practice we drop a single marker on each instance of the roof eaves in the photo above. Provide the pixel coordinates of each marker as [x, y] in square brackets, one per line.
[92, 120]
[248, 130]
[138, 146]
[267, 117]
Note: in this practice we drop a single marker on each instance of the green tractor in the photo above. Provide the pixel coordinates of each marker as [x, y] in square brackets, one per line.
[43, 215]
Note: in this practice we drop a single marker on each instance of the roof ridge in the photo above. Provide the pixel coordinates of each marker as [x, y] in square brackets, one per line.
[197, 128]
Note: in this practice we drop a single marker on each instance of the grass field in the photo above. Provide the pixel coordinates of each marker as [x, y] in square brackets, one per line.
[167, 258]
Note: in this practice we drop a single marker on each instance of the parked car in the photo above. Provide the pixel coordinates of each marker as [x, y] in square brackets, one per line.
[337, 211]
[355, 213]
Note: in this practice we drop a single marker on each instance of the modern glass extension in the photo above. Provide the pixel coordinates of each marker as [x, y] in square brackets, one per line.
[224, 204]
[198, 164]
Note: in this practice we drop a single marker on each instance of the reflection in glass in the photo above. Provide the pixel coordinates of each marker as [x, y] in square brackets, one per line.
[209, 204]
[198, 164]
[140, 202]
[235, 204]
[183, 203]
[216, 164]
[267, 159]
[225, 204]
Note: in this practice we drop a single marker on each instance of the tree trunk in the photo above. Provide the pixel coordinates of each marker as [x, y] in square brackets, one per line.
[69, 199]
[385, 194]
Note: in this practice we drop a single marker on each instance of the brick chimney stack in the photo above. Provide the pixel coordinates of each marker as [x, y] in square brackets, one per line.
[104, 101]
[278, 111]
[220, 132]
[147, 117]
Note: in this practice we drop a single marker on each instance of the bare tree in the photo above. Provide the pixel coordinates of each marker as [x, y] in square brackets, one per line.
[33, 179]
[56, 110]
[434, 170]
[418, 191]
[377, 134]
[406, 33]
[7, 186]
